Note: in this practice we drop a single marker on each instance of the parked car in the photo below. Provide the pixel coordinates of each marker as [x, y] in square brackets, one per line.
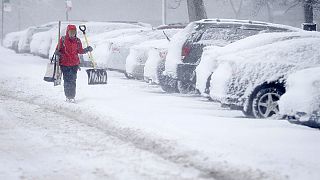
[138, 55]
[209, 61]
[301, 101]
[253, 80]
[118, 48]
[26, 38]
[186, 47]
[11, 40]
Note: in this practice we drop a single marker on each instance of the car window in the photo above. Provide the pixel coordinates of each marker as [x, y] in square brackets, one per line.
[225, 35]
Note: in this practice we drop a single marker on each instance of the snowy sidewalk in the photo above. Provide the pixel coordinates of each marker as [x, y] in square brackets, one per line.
[182, 129]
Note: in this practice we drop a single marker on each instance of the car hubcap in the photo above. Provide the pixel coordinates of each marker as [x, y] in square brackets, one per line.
[268, 105]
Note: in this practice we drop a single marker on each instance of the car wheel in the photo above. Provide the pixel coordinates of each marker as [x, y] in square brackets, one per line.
[185, 88]
[265, 102]
[128, 76]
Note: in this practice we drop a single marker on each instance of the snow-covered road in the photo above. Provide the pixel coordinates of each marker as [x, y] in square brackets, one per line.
[36, 143]
[179, 130]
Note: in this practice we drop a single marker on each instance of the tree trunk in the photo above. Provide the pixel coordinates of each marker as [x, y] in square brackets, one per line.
[196, 10]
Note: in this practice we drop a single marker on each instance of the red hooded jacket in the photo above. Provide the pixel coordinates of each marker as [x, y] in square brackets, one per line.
[70, 48]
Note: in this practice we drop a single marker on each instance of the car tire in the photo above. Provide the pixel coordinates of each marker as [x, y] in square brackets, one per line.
[264, 101]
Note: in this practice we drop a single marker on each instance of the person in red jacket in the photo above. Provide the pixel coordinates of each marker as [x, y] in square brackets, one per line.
[70, 47]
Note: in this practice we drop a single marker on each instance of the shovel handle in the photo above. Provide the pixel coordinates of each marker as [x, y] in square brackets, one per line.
[83, 28]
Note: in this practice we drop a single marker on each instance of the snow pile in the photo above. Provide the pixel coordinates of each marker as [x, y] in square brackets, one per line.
[302, 92]
[174, 55]
[253, 67]
[209, 61]
[139, 53]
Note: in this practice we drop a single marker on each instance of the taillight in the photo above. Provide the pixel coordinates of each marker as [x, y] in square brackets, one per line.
[185, 52]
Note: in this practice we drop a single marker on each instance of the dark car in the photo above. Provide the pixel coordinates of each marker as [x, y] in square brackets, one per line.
[180, 73]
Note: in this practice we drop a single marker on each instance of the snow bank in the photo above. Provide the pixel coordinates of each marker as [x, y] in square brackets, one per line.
[209, 61]
[253, 67]
[302, 92]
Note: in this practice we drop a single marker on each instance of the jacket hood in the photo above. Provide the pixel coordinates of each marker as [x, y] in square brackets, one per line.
[70, 27]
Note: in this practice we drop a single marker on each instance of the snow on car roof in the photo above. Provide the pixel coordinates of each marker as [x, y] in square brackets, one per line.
[236, 21]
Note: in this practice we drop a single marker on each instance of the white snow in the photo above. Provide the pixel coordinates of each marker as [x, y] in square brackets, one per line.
[209, 61]
[174, 55]
[302, 92]
[183, 129]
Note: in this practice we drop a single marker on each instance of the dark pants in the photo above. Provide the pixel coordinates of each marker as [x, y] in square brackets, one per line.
[69, 78]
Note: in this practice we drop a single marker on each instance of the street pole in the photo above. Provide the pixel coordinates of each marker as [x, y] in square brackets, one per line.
[308, 24]
[164, 12]
[67, 15]
[2, 16]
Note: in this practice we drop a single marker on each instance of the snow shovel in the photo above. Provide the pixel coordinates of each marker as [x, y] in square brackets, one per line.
[95, 75]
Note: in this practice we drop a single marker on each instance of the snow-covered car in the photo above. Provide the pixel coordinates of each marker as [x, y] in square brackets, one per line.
[253, 80]
[301, 101]
[209, 59]
[101, 43]
[186, 47]
[138, 56]
[118, 48]
[26, 38]
[11, 40]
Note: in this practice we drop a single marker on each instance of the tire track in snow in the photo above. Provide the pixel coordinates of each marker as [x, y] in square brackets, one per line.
[37, 143]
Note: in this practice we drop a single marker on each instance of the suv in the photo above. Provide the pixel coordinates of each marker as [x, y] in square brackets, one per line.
[179, 74]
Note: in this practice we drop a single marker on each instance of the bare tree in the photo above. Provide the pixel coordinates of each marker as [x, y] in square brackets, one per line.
[196, 9]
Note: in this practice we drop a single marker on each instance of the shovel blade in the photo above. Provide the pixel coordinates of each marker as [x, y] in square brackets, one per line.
[97, 76]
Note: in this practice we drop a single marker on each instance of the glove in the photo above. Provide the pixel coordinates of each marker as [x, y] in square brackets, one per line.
[88, 49]
[79, 68]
